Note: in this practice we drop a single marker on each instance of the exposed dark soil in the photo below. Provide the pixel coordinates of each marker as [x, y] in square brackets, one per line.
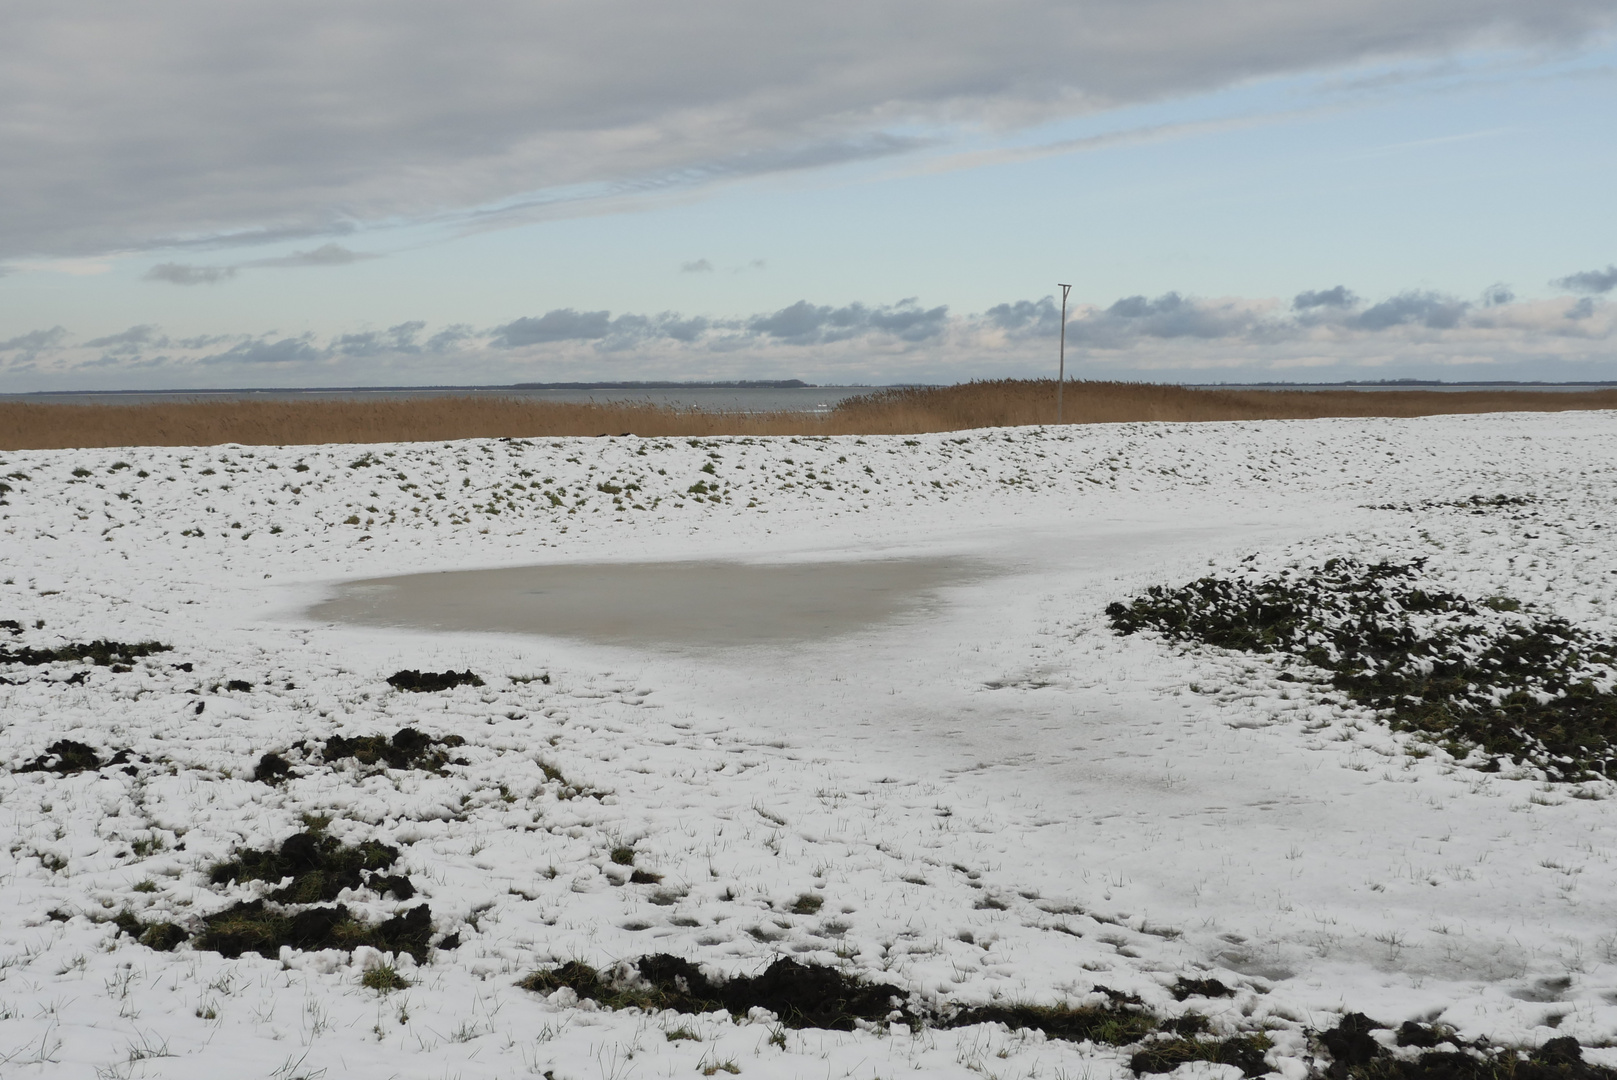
[1467, 674]
[407, 749]
[422, 682]
[320, 867]
[1476, 504]
[65, 757]
[1119, 1022]
[258, 928]
[100, 652]
[806, 996]
[803, 996]
[161, 936]
[272, 769]
[1357, 1055]
[1245, 1052]
[1210, 988]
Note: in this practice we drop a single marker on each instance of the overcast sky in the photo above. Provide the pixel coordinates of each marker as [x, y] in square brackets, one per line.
[342, 193]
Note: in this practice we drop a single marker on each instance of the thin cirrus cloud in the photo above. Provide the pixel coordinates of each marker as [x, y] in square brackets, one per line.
[186, 274]
[329, 254]
[192, 123]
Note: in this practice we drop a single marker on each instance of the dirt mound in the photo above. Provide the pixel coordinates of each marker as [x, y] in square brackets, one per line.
[65, 757]
[424, 682]
[320, 867]
[256, 927]
[407, 749]
[1189, 988]
[161, 936]
[272, 768]
[1358, 1055]
[803, 996]
[100, 652]
[1245, 1052]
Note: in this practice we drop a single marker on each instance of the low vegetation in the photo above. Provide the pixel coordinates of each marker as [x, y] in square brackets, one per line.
[406, 749]
[319, 868]
[427, 682]
[115, 654]
[801, 995]
[1427, 1052]
[1486, 675]
[996, 403]
[260, 928]
[812, 996]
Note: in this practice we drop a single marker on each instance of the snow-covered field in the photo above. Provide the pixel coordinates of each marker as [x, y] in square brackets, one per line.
[992, 798]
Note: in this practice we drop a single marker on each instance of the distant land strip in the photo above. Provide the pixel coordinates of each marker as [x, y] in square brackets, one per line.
[891, 411]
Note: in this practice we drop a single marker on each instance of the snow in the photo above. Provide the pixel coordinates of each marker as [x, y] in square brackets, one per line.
[995, 797]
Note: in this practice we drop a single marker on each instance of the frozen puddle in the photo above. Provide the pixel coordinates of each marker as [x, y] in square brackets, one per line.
[704, 604]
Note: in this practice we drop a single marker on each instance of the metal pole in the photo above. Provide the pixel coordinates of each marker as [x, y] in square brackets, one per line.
[1061, 376]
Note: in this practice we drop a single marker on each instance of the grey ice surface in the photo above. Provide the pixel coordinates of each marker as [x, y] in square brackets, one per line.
[679, 604]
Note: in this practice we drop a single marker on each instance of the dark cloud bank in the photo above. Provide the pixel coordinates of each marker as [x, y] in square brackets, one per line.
[1331, 318]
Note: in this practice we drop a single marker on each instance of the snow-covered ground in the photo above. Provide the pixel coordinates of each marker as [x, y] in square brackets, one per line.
[993, 796]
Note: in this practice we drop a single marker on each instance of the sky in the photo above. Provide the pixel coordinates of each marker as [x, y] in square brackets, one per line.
[341, 194]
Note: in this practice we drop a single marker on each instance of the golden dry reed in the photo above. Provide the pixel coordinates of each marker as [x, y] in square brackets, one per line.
[998, 403]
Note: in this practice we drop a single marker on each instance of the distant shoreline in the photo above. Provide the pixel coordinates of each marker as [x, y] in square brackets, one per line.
[743, 384]
[786, 384]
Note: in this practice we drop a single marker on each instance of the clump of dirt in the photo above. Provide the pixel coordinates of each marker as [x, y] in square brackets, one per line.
[1120, 1021]
[1350, 1043]
[808, 996]
[407, 749]
[1210, 988]
[320, 867]
[66, 757]
[1424, 1036]
[423, 682]
[1245, 1052]
[100, 652]
[161, 936]
[1466, 674]
[256, 927]
[272, 768]
[1357, 1055]
[802, 995]
[1476, 504]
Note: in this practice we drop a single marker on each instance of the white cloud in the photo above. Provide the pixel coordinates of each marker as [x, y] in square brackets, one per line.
[330, 254]
[186, 274]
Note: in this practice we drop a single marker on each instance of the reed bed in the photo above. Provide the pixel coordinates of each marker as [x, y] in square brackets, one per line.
[908, 411]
